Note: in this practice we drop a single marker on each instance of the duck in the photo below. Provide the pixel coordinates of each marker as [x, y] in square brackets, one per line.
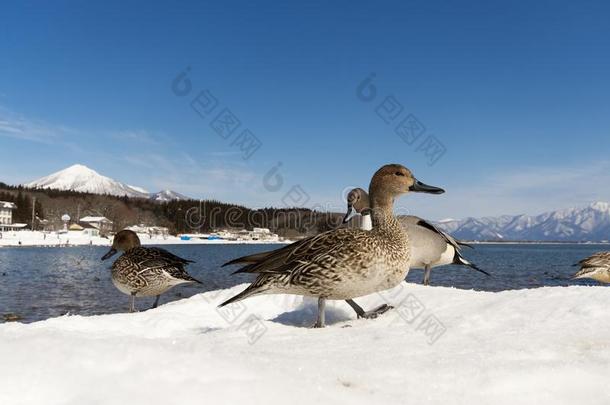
[430, 246]
[596, 267]
[343, 263]
[145, 271]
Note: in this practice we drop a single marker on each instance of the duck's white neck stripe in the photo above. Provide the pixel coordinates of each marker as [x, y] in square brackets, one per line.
[366, 223]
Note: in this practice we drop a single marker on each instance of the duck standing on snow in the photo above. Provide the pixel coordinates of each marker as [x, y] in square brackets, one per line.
[145, 271]
[596, 267]
[430, 247]
[343, 263]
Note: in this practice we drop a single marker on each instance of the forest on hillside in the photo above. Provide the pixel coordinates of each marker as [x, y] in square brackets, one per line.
[178, 216]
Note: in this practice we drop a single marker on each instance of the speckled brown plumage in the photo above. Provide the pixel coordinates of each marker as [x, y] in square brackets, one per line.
[596, 267]
[342, 263]
[146, 271]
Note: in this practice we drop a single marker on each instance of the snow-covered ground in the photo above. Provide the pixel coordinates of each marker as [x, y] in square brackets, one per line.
[76, 238]
[442, 346]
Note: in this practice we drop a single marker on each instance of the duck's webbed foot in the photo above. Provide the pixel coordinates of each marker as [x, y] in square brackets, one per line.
[361, 313]
[382, 309]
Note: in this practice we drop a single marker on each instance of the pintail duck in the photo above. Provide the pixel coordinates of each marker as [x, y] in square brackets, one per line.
[343, 263]
[596, 267]
[145, 271]
[430, 246]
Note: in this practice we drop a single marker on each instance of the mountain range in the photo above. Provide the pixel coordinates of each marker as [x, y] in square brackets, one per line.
[588, 223]
[81, 178]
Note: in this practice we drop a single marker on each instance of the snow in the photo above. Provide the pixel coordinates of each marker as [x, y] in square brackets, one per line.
[81, 178]
[95, 219]
[167, 195]
[139, 189]
[78, 238]
[547, 345]
[8, 205]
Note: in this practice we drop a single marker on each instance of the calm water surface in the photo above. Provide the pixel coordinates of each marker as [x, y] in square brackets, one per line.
[38, 283]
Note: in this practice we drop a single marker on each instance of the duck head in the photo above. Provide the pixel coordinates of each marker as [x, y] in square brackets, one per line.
[357, 202]
[392, 180]
[123, 241]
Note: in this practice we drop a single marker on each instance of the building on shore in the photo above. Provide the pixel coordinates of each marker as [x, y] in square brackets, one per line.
[85, 229]
[6, 217]
[6, 212]
[257, 234]
[151, 231]
[102, 224]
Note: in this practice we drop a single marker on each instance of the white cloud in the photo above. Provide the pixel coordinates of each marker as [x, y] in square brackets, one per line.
[137, 136]
[13, 125]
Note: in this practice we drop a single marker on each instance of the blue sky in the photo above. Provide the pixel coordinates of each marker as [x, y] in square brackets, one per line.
[515, 92]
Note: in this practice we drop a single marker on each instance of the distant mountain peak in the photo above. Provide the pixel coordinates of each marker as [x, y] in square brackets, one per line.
[587, 223]
[79, 177]
[600, 206]
[167, 195]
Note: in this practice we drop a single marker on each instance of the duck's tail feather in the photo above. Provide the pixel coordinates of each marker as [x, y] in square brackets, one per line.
[460, 260]
[459, 242]
[194, 280]
[245, 269]
[254, 258]
[248, 292]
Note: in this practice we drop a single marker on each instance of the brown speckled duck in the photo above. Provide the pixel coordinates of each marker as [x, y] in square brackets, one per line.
[596, 267]
[145, 271]
[343, 263]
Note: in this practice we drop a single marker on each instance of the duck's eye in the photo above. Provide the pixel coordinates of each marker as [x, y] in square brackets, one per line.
[399, 173]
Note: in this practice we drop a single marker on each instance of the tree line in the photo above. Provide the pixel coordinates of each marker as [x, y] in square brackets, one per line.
[184, 216]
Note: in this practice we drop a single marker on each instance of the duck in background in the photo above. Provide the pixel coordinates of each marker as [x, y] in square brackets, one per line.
[430, 246]
[596, 267]
[343, 263]
[145, 271]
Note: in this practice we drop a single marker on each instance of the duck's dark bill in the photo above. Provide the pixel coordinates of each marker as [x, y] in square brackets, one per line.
[110, 253]
[351, 213]
[420, 187]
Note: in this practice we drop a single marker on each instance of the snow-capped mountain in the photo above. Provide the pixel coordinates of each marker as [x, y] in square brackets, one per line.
[81, 178]
[588, 223]
[167, 195]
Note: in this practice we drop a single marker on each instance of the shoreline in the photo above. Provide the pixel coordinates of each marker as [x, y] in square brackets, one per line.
[76, 239]
[70, 239]
[178, 242]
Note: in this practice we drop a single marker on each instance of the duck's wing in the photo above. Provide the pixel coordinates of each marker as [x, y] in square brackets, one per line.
[164, 255]
[262, 256]
[342, 247]
[153, 260]
[448, 238]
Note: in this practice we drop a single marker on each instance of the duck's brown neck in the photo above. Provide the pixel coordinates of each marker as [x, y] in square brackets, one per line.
[382, 211]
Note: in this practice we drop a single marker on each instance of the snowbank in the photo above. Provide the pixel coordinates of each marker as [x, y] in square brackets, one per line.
[76, 238]
[443, 345]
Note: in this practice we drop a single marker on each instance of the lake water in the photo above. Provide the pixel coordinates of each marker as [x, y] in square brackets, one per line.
[38, 283]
